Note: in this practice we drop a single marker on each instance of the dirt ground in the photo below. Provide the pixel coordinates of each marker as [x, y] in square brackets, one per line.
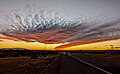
[25, 65]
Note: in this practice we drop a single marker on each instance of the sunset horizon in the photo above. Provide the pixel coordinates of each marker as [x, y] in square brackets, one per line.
[10, 42]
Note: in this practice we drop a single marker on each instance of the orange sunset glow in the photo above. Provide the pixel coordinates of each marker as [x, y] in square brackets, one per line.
[27, 45]
[98, 44]
[6, 43]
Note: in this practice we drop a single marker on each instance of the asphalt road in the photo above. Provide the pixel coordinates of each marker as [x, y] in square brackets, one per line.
[110, 65]
[71, 66]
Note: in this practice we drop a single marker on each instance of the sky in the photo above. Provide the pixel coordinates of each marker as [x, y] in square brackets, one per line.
[106, 45]
[26, 45]
[102, 11]
[40, 46]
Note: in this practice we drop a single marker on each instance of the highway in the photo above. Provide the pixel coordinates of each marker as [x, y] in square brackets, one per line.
[69, 65]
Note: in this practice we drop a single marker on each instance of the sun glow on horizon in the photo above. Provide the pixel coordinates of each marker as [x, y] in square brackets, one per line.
[4, 43]
[27, 45]
[106, 45]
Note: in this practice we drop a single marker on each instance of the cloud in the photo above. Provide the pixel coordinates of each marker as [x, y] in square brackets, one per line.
[9, 38]
[52, 29]
[76, 43]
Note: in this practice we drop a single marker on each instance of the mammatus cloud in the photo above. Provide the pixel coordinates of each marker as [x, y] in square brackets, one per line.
[49, 28]
[43, 27]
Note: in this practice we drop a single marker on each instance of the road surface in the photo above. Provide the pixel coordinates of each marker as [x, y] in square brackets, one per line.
[71, 66]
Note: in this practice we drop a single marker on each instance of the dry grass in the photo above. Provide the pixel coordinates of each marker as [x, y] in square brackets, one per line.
[23, 65]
